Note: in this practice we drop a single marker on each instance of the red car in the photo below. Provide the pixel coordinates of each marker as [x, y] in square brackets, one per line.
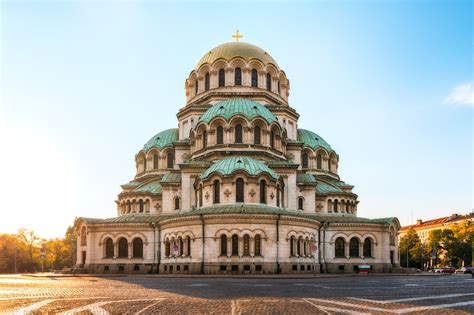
[448, 270]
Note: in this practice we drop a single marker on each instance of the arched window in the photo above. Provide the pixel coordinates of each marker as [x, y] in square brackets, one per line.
[367, 247]
[392, 237]
[300, 241]
[196, 87]
[238, 76]
[335, 205]
[239, 190]
[222, 77]
[269, 82]
[188, 246]
[83, 236]
[256, 135]
[220, 135]
[176, 203]
[206, 82]
[263, 191]
[235, 245]
[304, 160]
[109, 248]
[204, 139]
[348, 207]
[129, 206]
[167, 248]
[246, 245]
[123, 248]
[200, 195]
[155, 161]
[141, 206]
[282, 197]
[318, 162]
[354, 247]
[223, 245]
[137, 248]
[339, 247]
[254, 78]
[169, 160]
[217, 191]
[258, 245]
[292, 246]
[272, 139]
[181, 246]
[300, 203]
[238, 133]
[330, 207]
[278, 196]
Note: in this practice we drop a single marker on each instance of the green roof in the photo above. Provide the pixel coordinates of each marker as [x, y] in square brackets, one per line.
[238, 106]
[131, 218]
[162, 139]
[131, 184]
[153, 187]
[312, 140]
[171, 178]
[232, 164]
[306, 178]
[326, 188]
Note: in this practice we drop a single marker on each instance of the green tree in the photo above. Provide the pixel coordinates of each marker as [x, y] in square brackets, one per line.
[411, 245]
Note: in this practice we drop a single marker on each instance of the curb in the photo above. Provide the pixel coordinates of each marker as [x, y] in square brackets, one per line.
[319, 276]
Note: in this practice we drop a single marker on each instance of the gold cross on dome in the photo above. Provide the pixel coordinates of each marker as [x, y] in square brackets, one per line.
[237, 36]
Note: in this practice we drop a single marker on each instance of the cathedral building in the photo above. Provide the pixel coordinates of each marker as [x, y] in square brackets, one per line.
[236, 188]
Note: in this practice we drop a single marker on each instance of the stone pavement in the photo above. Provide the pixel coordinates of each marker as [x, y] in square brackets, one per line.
[452, 294]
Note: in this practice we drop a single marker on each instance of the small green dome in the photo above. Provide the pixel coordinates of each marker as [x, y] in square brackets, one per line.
[238, 106]
[230, 165]
[162, 139]
[312, 140]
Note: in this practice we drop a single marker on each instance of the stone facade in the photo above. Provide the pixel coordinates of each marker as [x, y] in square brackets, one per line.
[237, 188]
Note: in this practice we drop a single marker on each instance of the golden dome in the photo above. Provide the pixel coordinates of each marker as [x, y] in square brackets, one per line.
[231, 50]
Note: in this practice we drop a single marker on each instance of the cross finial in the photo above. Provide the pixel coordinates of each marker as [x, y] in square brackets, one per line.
[237, 36]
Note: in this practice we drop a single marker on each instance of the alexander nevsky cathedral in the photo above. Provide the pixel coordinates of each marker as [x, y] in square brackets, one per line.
[237, 188]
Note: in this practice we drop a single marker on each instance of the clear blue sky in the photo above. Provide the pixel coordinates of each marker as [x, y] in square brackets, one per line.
[85, 84]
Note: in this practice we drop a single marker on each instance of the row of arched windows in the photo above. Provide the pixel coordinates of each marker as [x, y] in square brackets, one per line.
[122, 248]
[319, 162]
[155, 159]
[354, 248]
[300, 247]
[342, 206]
[238, 136]
[234, 246]
[237, 80]
[239, 192]
[139, 206]
[182, 246]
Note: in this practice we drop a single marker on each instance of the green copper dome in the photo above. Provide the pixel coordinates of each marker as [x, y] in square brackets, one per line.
[312, 140]
[162, 139]
[230, 165]
[238, 106]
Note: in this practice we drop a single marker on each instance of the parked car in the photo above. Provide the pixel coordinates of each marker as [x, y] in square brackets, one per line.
[464, 270]
[448, 270]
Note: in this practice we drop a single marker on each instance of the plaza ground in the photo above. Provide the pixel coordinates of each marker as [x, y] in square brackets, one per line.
[368, 294]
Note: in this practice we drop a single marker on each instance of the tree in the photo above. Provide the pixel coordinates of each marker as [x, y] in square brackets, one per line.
[31, 240]
[453, 246]
[410, 244]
